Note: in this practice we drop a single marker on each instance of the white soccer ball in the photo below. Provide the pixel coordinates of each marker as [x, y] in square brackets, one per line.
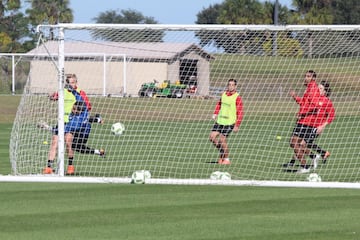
[225, 176]
[140, 176]
[117, 128]
[314, 177]
[217, 175]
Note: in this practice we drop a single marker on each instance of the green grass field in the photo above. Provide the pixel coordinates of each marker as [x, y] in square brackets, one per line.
[124, 211]
[113, 211]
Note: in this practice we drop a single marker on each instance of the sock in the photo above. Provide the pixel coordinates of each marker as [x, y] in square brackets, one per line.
[312, 155]
[97, 151]
[323, 153]
[50, 163]
[71, 159]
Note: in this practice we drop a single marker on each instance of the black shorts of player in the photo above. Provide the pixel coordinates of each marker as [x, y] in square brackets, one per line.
[79, 139]
[223, 129]
[305, 132]
[55, 130]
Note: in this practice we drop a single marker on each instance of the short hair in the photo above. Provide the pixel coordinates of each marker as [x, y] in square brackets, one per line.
[70, 75]
[313, 73]
[326, 87]
[232, 80]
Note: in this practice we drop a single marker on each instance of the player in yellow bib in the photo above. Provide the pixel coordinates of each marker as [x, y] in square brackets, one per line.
[228, 115]
[69, 100]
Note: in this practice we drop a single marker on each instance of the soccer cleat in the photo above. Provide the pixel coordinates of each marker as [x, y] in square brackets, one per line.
[47, 170]
[327, 154]
[225, 162]
[220, 161]
[304, 170]
[289, 164]
[102, 153]
[316, 161]
[98, 118]
[70, 170]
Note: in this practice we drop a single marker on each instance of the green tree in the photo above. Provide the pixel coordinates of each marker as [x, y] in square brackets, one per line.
[312, 12]
[209, 15]
[129, 16]
[346, 12]
[13, 27]
[243, 12]
[49, 12]
[127, 35]
[239, 12]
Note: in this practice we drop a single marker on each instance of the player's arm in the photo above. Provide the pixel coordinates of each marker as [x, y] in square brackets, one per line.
[86, 99]
[54, 96]
[217, 110]
[297, 99]
[239, 111]
[310, 102]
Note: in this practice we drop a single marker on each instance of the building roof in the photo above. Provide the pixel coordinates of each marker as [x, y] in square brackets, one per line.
[147, 50]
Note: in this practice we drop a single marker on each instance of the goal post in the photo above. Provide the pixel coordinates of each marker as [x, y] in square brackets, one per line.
[163, 83]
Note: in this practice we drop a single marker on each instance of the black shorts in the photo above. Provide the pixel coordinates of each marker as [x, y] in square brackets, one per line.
[223, 129]
[305, 132]
[80, 138]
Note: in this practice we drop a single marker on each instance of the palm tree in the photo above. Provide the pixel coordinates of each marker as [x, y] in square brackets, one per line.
[49, 12]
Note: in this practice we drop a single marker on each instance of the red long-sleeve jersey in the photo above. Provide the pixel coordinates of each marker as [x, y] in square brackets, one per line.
[325, 113]
[309, 101]
[239, 108]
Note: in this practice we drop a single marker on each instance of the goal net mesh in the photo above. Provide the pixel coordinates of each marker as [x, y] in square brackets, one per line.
[163, 82]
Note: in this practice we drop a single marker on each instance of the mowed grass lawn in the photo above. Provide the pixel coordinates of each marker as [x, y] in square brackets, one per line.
[124, 211]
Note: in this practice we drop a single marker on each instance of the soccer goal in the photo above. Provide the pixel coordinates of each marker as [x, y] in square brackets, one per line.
[162, 82]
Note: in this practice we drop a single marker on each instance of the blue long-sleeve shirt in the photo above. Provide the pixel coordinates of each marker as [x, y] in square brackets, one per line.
[79, 122]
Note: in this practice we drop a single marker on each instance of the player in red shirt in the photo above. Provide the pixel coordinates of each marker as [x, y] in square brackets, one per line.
[324, 116]
[228, 115]
[305, 129]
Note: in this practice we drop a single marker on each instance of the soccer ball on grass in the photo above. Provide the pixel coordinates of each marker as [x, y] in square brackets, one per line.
[117, 128]
[314, 177]
[217, 175]
[140, 176]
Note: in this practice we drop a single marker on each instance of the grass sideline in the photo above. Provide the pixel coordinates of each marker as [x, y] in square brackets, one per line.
[123, 211]
[118, 211]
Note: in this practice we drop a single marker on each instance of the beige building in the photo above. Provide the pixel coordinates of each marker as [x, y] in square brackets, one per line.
[111, 68]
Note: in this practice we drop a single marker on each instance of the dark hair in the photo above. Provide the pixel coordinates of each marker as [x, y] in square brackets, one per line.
[326, 87]
[313, 73]
[232, 80]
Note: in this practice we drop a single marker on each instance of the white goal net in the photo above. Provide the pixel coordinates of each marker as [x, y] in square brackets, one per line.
[162, 82]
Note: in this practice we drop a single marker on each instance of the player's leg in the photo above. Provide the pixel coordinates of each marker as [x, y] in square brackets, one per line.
[70, 153]
[320, 152]
[79, 145]
[224, 149]
[309, 135]
[224, 154]
[214, 138]
[51, 154]
[301, 154]
[294, 144]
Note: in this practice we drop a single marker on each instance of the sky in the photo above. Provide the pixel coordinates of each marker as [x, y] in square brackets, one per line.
[163, 11]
